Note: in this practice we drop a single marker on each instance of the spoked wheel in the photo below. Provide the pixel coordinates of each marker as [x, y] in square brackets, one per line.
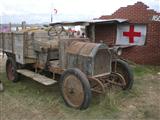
[11, 68]
[56, 30]
[75, 89]
[96, 86]
[117, 80]
[121, 67]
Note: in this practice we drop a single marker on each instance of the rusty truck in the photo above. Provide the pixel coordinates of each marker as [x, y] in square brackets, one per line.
[81, 67]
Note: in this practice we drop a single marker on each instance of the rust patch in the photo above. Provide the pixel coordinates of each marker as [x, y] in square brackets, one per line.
[87, 49]
[75, 47]
[81, 48]
[56, 70]
[52, 69]
[38, 65]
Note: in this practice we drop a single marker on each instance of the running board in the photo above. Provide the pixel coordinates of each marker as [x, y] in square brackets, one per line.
[37, 77]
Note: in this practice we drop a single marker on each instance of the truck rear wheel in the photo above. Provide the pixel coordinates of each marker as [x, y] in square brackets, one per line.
[121, 67]
[75, 89]
[11, 68]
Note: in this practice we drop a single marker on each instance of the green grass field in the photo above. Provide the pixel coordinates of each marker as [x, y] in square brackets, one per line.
[29, 100]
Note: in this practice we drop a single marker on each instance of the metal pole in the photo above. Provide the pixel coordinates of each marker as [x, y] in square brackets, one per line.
[51, 18]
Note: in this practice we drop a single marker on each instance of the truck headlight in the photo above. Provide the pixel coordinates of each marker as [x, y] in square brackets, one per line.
[119, 51]
[116, 50]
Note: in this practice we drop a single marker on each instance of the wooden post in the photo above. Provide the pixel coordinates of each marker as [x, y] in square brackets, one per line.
[93, 32]
[10, 27]
[23, 25]
[3, 43]
[17, 29]
[12, 38]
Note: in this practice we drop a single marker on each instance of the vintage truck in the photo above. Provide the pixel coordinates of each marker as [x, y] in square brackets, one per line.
[50, 55]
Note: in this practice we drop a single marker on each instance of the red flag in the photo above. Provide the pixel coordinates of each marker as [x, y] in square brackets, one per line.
[55, 11]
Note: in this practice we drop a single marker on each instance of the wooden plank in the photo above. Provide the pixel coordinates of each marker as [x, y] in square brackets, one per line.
[19, 47]
[93, 33]
[7, 41]
[37, 77]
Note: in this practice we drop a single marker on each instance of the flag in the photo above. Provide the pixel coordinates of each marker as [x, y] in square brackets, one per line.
[55, 11]
[131, 35]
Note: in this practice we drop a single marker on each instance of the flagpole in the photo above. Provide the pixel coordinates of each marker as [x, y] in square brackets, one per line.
[51, 12]
[51, 18]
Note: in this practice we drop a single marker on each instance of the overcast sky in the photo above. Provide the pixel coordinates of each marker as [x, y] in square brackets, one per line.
[66, 8]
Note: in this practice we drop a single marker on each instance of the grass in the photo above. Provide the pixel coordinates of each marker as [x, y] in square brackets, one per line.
[31, 100]
[141, 70]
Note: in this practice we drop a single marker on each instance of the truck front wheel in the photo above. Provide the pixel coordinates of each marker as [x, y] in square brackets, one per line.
[75, 89]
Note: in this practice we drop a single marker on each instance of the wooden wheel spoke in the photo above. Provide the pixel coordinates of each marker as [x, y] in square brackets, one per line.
[97, 91]
[96, 85]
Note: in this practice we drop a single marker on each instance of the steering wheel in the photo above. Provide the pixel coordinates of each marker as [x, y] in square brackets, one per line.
[55, 30]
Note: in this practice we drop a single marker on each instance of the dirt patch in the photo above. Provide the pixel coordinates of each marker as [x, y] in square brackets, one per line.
[146, 104]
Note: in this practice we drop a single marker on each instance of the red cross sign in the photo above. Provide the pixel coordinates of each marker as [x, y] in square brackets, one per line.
[131, 34]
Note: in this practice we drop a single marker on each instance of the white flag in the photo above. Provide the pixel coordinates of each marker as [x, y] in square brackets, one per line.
[131, 35]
